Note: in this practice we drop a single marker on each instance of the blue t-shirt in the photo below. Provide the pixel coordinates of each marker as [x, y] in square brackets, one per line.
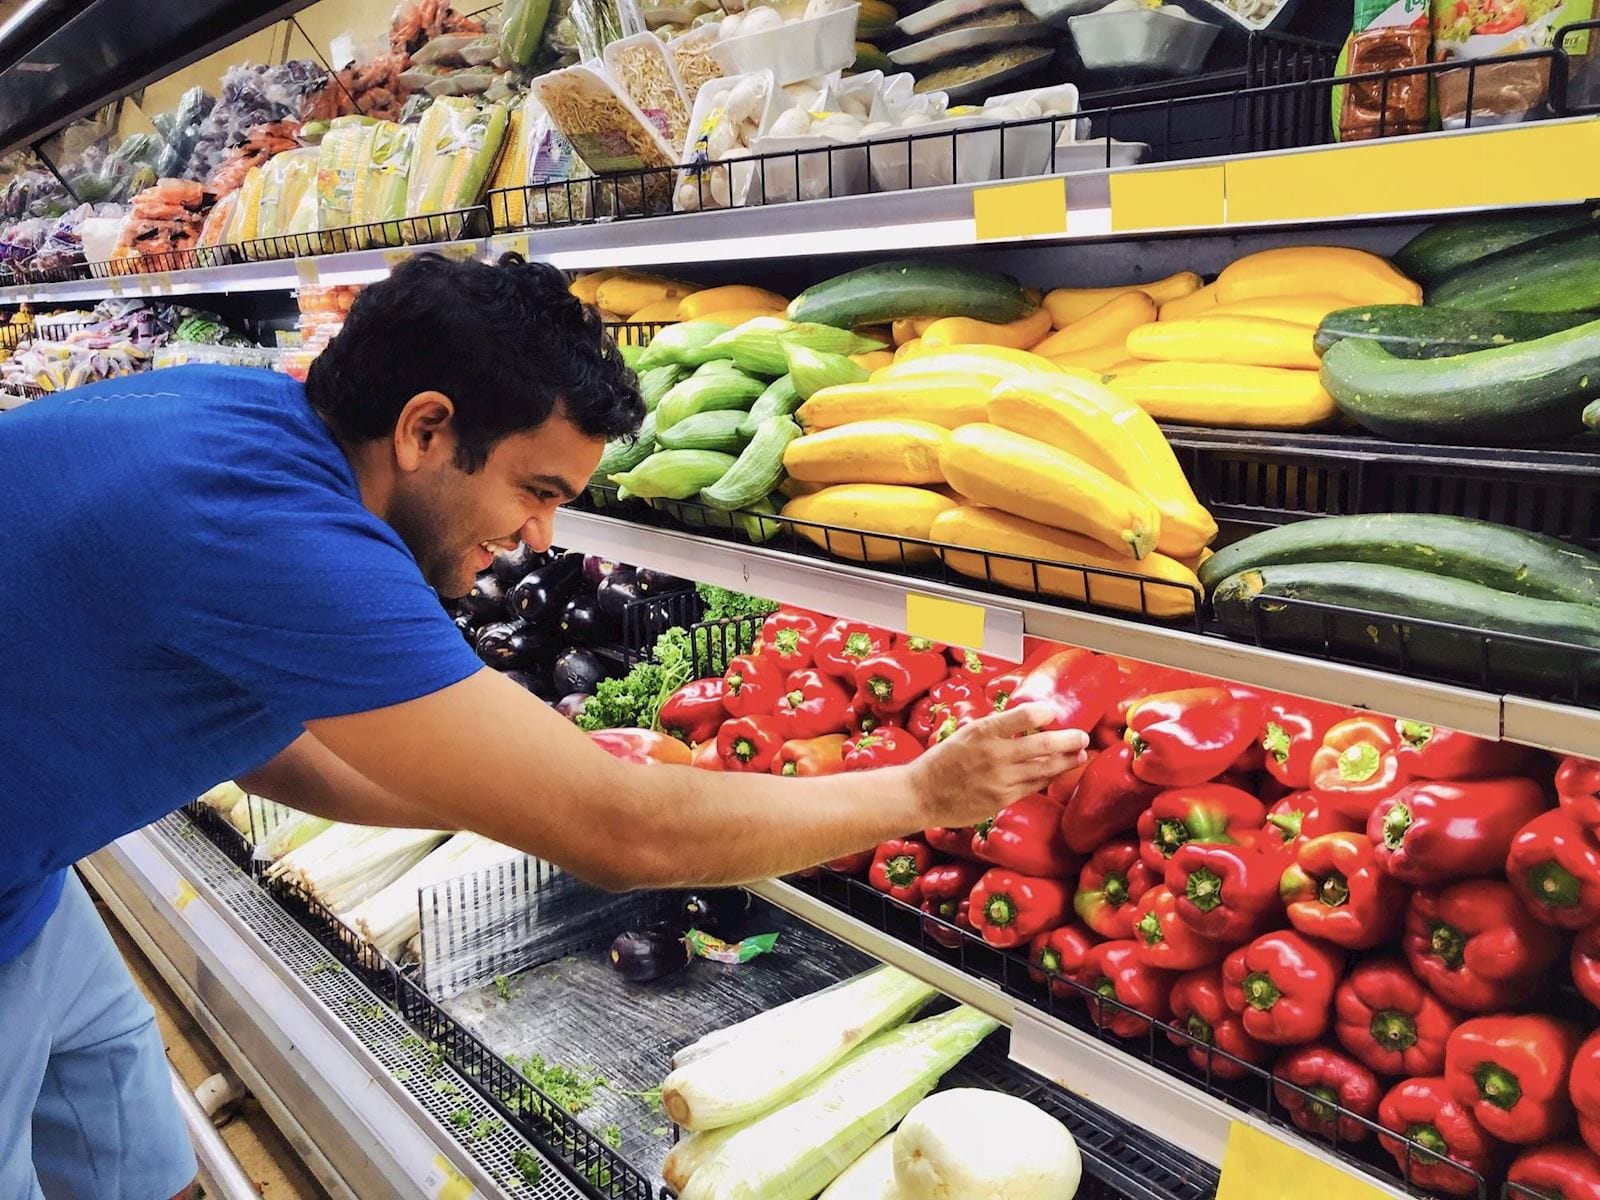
[187, 576]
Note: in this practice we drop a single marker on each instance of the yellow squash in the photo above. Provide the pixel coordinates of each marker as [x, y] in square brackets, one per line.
[908, 329]
[700, 305]
[1112, 435]
[965, 331]
[792, 487]
[873, 360]
[897, 512]
[881, 451]
[1028, 478]
[1192, 305]
[1226, 396]
[1244, 341]
[661, 310]
[1126, 366]
[943, 401]
[1108, 325]
[1354, 275]
[1164, 587]
[1067, 305]
[733, 317]
[1297, 310]
[908, 349]
[587, 287]
[1000, 362]
[609, 318]
[1096, 359]
[627, 292]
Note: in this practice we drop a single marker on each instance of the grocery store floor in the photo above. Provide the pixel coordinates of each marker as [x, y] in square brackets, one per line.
[266, 1157]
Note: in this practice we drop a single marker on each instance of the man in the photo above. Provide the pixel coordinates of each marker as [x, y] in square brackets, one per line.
[210, 573]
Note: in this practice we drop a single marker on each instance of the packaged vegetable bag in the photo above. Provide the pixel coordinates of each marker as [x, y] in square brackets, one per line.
[1475, 30]
[1386, 35]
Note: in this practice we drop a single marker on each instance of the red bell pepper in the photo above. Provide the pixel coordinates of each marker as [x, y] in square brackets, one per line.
[1138, 680]
[1228, 891]
[895, 678]
[753, 685]
[1386, 1018]
[1183, 738]
[1584, 1090]
[807, 757]
[1114, 972]
[1511, 1071]
[885, 746]
[1199, 1010]
[1300, 815]
[1429, 752]
[1554, 865]
[1476, 946]
[1283, 984]
[897, 867]
[1434, 831]
[1566, 1171]
[1060, 954]
[1025, 836]
[1110, 887]
[1293, 734]
[976, 668]
[1061, 788]
[862, 718]
[706, 756]
[694, 712]
[1424, 1112]
[1578, 790]
[925, 717]
[997, 689]
[789, 636]
[749, 743]
[843, 645]
[1161, 940]
[1107, 800]
[956, 841]
[1586, 964]
[812, 704]
[851, 864]
[1008, 907]
[945, 892]
[1335, 890]
[955, 716]
[1076, 685]
[1329, 1091]
[1206, 812]
[1356, 766]
[642, 746]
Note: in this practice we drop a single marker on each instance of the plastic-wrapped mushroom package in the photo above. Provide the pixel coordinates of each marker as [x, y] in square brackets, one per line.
[728, 118]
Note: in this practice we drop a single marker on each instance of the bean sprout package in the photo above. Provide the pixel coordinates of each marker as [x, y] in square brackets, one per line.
[610, 134]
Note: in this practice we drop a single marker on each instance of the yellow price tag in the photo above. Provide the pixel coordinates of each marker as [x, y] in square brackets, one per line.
[161, 284]
[459, 251]
[1015, 210]
[305, 270]
[447, 1182]
[393, 258]
[942, 620]
[1167, 199]
[511, 243]
[1258, 1166]
[185, 895]
[116, 285]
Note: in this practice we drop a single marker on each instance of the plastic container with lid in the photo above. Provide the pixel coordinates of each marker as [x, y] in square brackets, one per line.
[1164, 41]
[795, 50]
[723, 183]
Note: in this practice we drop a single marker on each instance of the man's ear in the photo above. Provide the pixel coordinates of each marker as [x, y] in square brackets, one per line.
[422, 434]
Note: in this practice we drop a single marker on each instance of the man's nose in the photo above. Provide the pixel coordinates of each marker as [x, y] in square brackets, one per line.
[536, 533]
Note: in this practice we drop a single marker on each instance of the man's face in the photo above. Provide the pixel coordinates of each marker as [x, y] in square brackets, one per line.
[454, 521]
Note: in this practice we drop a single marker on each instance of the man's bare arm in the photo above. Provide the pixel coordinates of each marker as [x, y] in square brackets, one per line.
[308, 776]
[485, 755]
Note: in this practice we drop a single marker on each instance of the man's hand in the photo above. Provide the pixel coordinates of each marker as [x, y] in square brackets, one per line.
[986, 765]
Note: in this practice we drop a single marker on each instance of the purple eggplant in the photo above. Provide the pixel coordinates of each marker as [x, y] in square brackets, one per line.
[659, 583]
[583, 623]
[486, 601]
[465, 624]
[539, 595]
[596, 568]
[514, 564]
[570, 705]
[617, 591]
[578, 670]
[513, 645]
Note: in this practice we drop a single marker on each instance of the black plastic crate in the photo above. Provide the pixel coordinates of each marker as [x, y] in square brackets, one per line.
[235, 847]
[643, 621]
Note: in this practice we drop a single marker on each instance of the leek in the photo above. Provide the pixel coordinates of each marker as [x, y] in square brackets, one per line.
[870, 1177]
[389, 918]
[795, 1151]
[747, 1075]
[291, 833]
[224, 797]
[345, 864]
[973, 1142]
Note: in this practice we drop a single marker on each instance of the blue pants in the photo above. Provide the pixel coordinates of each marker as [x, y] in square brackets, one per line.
[86, 1104]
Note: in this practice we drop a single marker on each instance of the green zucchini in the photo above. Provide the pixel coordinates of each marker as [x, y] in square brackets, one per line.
[673, 474]
[1417, 331]
[1441, 250]
[717, 430]
[779, 400]
[626, 453]
[1411, 596]
[1591, 415]
[758, 470]
[1526, 392]
[1559, 274]
[886, 292]
[1498, 556]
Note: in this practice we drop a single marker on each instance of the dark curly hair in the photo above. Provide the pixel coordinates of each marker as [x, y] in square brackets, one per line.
[509, 344]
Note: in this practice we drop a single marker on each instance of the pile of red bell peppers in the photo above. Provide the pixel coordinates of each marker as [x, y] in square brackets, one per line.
[1378, 911]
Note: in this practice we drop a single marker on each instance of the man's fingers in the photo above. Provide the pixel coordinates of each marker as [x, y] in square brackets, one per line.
[1017, 720]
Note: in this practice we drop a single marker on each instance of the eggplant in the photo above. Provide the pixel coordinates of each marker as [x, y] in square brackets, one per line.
[486, 601]
[514, 564]
[570, 705]
[596, 569]
[584, 624]
[659, 583]
[467, 626]
[617, 591]
[513, 645]
[578, 670]
[643, 955]
[539, 595]
[720, 912]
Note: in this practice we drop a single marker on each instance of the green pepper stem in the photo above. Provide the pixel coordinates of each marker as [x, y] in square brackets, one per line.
[1359, 763]
[1553, 885]
[1000, 910]
[1115, 889]
[901, 870]
[1497, 1086]
[1429, 1137]
[1204, 889]
[1170, 834]
[1260, 992]
[1449, 944]
[1395, 823]
[1334, 890]
[1393, 1029]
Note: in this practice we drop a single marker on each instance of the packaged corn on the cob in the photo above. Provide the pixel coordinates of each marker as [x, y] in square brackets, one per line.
[382, 190]
[342, 164]
[245, 225]
[508, 204]
[456, 149]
